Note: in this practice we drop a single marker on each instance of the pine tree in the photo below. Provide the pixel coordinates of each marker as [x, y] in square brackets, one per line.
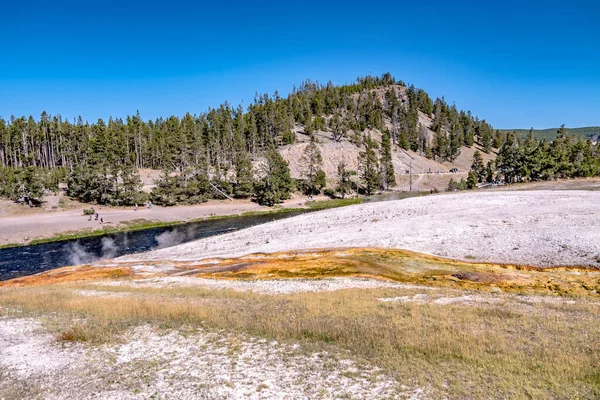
[388, 177]
[403, 140]
[466, 122]
[472, 179]
[497, 141]
[244, 175]
[276, 183]
[452, 185]
[344, 184]
[130, 190]
[508, 157]
[485, 136]
[311, 161]
[478, 166]
[164, 193]
[338, 126]
[440, 146]
[562, 132]
[489, 172]
[453, 146]
[30, 188]
[367, 163]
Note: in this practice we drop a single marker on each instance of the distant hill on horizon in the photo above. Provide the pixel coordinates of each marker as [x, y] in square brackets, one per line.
[588, 132]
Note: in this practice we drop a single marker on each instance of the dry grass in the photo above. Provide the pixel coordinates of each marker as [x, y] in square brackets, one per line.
[513, 348]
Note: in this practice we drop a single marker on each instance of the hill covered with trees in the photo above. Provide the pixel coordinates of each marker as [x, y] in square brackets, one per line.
[366, 127]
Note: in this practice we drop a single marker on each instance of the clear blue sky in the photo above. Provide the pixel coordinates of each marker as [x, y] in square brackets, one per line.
[515, 63]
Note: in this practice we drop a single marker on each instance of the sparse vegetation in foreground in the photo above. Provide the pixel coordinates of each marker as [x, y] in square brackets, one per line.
[504, 345]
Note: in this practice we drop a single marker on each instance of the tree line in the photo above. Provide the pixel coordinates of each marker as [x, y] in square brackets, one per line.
[529, 159]
[228, 151]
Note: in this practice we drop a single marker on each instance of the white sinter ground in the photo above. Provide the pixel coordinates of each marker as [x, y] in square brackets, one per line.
[150, 363]
[543, 228]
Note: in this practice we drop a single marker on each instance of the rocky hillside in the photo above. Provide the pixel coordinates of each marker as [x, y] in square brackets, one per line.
[428, 173]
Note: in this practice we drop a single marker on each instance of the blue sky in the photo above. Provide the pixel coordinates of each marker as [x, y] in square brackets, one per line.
[514, 63]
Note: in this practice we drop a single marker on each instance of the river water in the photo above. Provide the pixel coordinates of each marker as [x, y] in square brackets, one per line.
[27, 260]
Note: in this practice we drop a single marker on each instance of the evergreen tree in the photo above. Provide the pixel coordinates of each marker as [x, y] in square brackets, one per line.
[508, 158]
[164, 193]
[409, 117]
[485, 136]
[275, 184]
[338, 126]
[466, 122]
[497, 140]
[89, 183]
[367, 164]
[30, 188]
[453, 149]
[527, 165]
[489, 172]
[344, 184]
[478, 167]
[452, 185]
[472, 179]
[190, 186]
[423, 138]
[440, 146]
[388, 177]
[244, 175]
[403, 140]
[130, 190]
[311, 162]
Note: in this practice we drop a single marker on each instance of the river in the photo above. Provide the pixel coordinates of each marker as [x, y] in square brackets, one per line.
[27, 260]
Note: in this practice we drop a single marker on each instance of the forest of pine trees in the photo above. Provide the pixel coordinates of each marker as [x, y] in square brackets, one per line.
[532, 160]
[216, 152]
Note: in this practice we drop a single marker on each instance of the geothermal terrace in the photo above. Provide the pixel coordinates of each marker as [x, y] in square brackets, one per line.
[538, 228]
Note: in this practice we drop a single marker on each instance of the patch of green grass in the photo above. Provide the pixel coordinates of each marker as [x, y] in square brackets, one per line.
[271, 211]
[334, 203]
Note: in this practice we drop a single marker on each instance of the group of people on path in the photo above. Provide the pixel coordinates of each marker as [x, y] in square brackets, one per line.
[96, 218]
[149, 206]
[97, 215]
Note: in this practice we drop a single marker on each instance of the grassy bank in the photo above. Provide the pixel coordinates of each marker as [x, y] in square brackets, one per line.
[143, 224]
[508, 346]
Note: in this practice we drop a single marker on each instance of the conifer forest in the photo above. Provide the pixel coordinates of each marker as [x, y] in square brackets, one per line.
[231, 151]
